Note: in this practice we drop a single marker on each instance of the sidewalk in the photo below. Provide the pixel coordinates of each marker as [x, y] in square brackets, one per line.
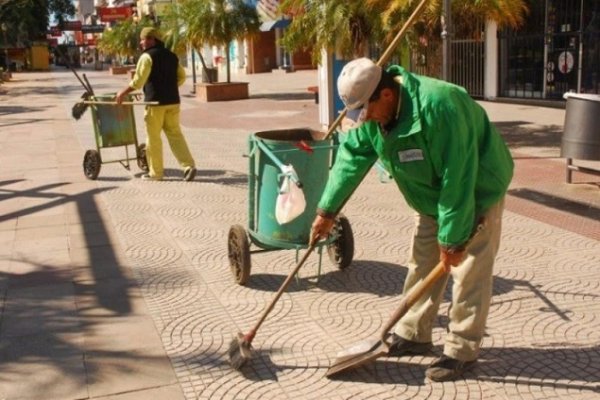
[120, 288]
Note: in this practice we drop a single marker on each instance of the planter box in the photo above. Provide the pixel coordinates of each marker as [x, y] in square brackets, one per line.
[221, 91]
[120, 70]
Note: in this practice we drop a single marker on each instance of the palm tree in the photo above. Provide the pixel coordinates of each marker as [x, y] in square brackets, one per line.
[344, 26]
[211, 22]
[123, 39]
[466, 15]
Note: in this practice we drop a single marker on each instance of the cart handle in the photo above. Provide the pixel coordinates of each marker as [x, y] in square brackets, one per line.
[125, 103]
[280, 165]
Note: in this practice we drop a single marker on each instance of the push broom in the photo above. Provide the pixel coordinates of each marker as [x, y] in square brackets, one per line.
[240, 348]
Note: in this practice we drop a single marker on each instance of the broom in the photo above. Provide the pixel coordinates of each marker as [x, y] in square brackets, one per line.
[240, 348]
[79, 108]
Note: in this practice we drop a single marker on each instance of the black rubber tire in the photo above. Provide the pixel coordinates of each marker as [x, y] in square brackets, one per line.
[142, 161]
[238, 248]
[341, 250]
[91, 164]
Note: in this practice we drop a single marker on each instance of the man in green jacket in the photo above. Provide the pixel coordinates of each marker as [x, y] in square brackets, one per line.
[453, 169]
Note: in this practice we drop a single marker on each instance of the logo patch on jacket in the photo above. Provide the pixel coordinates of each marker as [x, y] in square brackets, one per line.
[410, 155]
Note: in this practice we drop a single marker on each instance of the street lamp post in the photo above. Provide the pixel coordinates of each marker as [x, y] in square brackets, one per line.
[6, 60]
[193, 71]
[446, 36]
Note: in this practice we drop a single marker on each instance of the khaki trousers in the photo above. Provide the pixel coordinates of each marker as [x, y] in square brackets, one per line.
[471, 290]
[157, 119]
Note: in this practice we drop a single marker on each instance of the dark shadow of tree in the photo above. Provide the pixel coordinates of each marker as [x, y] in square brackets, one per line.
[37, 319]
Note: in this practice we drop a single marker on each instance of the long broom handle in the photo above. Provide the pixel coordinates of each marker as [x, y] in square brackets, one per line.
[383, 59]
[65, 58]
[282, 289]
[419, 289]
[88, 84]
[411, 298]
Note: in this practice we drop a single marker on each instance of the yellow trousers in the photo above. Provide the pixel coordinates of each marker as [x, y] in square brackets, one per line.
[471, 289]
[157, 119]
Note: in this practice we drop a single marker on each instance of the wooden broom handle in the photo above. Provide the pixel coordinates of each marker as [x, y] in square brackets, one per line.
[413, 295]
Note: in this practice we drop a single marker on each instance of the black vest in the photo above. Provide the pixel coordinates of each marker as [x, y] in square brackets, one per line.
[162, 82]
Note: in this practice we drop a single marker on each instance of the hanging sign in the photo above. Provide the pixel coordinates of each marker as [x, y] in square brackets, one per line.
[110, 14]
[71, 26]
[55, 31]
[92, 28]
[565, 62]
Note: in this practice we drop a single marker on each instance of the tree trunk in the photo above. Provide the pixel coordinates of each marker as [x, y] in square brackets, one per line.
[204, 67]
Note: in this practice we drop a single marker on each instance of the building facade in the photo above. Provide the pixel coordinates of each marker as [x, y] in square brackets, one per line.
[557, 51]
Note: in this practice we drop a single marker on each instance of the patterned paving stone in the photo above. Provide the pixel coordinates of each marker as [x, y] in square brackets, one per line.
[542, 333]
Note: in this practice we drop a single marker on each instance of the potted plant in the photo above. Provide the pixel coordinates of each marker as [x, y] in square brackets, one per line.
[214, 23]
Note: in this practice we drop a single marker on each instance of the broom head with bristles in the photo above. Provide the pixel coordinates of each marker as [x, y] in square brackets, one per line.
[240, 351]
[79, 108]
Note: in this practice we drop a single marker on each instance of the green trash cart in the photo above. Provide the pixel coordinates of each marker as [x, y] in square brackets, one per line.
[311, 158]
[114, 126]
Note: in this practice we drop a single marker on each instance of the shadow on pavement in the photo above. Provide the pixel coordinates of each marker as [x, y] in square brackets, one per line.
[560, 203]
[535, 367]
[521, 134]
[94, 234]
[362, 276]
[283, 96]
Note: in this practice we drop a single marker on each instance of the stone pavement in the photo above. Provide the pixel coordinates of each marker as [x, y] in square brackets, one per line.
[120, 289]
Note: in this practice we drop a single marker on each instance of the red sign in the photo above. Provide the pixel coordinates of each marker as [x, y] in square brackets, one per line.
[55, 31]
[110, 14]
[78, 38]
[53, 42]
[71, 26]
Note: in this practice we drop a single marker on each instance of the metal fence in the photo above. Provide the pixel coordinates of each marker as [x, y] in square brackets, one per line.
[467, 62]
[467, 65]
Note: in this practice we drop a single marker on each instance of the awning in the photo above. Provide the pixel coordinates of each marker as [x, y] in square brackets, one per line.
[270, 25]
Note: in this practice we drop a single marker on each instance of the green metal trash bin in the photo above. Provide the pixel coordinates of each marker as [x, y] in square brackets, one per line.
[114, 125]
[311, 163]
[311, 157]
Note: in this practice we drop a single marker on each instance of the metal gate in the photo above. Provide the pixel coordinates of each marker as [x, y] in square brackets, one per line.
[467, 62]
[467, 65]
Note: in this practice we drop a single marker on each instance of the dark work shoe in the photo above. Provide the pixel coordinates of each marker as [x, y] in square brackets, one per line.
[447, 369]
[189, 174]
[400, 346]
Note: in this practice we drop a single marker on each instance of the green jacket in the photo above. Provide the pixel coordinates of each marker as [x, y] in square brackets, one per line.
[445, 155]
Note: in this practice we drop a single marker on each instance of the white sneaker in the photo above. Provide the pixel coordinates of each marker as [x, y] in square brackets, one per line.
[148, 177]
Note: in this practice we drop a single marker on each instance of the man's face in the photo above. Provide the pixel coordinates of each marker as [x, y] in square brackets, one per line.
[146, 42]
[383, 109]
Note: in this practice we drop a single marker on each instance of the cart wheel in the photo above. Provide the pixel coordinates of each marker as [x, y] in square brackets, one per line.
[142, 161]
[91, 164]
[341, 250]
[239, 254]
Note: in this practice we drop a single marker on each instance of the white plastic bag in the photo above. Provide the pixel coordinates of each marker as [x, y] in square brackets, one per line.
[290, 200]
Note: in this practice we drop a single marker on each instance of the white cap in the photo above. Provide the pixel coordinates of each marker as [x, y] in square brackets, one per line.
[357, 82]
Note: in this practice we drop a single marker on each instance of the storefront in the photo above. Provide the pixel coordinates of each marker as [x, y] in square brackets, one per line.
[556, 52]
